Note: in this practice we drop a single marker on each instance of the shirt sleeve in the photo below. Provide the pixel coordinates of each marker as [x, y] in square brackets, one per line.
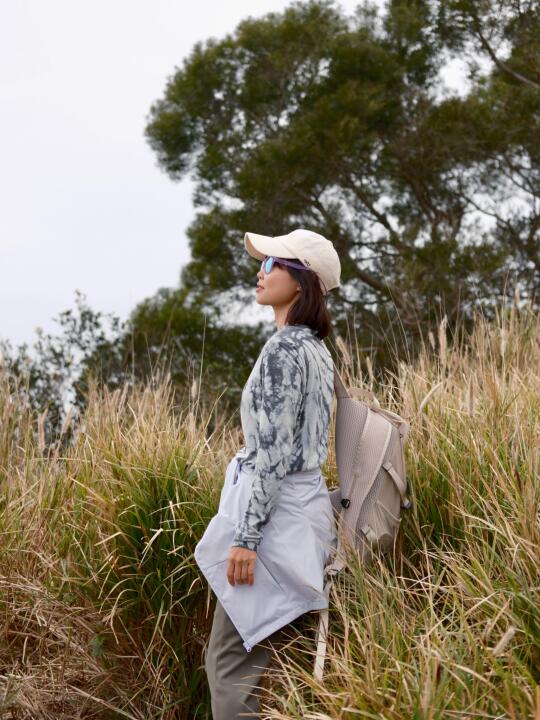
[282, 392]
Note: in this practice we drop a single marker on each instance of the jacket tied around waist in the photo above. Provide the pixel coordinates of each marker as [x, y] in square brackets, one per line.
[298, 539]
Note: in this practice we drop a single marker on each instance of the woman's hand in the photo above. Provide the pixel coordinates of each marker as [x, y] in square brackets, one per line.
[241, 566]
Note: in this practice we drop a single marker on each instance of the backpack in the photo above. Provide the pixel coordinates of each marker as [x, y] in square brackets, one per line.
[367, 505]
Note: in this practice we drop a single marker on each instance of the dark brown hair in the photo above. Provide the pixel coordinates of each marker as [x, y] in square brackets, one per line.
[311, 306]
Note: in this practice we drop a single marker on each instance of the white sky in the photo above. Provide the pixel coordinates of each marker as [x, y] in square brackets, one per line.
[83, 204]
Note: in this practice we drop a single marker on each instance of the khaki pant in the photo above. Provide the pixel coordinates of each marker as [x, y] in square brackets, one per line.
[233, 672]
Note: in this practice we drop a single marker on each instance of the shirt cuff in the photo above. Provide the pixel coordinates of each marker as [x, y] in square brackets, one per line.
[249, 544]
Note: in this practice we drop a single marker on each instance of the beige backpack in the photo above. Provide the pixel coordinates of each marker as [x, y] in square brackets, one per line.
[370, 459]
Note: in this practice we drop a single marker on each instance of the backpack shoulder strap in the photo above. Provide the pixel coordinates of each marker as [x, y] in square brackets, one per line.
[339, 385]
[335, 565]
[330, 571]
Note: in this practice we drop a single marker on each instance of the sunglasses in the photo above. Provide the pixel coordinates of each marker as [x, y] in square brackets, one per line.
[269, 262]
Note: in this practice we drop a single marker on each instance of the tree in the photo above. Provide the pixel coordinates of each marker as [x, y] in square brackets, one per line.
[161, 338]
[505, 131]
[308, 118]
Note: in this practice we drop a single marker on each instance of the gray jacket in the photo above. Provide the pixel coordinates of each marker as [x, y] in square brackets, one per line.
[289, 570]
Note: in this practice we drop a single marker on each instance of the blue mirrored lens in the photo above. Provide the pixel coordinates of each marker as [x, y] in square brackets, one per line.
[268, 264]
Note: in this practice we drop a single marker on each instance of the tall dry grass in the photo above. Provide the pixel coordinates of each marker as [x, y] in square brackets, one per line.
[102, 610]
[104, 614]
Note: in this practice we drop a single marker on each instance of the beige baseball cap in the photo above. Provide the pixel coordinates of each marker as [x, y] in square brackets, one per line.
[312, 249]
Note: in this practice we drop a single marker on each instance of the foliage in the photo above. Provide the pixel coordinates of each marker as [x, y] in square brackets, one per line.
[162, 338]
[311, 118]
[103, 612]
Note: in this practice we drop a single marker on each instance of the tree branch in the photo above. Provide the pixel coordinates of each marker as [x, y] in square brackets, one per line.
[499, 63]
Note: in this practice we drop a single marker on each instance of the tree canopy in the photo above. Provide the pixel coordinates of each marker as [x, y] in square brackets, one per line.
[310, 118]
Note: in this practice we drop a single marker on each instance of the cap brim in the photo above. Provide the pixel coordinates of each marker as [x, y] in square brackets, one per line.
[258, 246]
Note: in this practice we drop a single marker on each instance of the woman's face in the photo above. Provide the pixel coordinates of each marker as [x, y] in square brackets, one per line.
[277, 288]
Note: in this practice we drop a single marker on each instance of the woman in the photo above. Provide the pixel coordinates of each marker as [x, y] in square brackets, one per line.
[265, 550]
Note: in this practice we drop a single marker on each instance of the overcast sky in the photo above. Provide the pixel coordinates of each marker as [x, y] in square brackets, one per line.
[83, 204]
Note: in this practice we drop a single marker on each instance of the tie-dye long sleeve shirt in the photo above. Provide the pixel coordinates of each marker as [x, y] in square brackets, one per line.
[285, 412]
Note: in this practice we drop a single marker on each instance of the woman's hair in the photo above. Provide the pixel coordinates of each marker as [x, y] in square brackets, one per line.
[310, 307]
